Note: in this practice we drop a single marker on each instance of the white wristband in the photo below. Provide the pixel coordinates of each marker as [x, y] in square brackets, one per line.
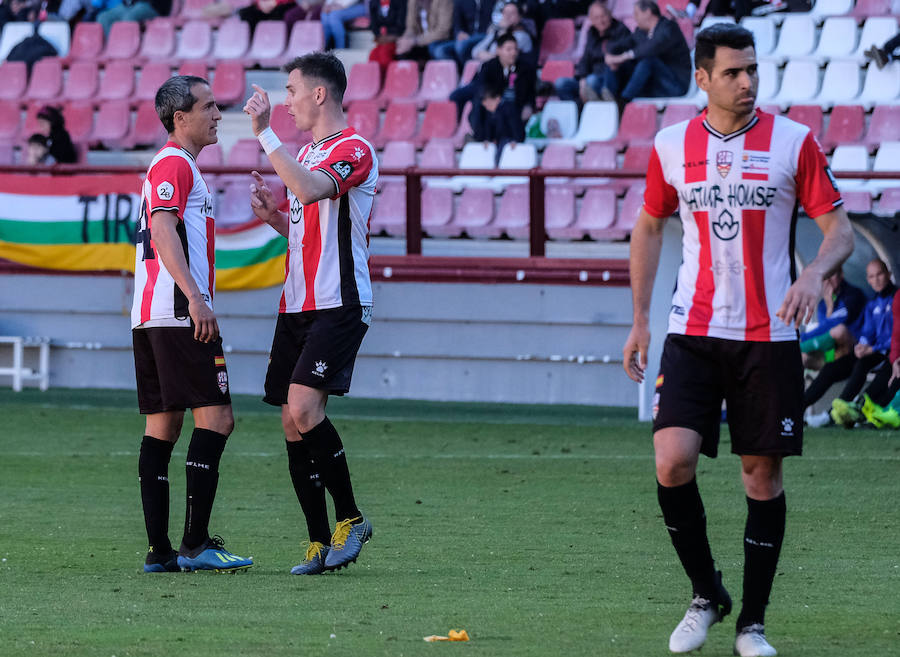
[269, 140]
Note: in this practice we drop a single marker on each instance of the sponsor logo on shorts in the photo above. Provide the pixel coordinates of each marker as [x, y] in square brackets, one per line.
[220, 361]
[223, 381]
[321, 366]
[165, 191]
[787, 427]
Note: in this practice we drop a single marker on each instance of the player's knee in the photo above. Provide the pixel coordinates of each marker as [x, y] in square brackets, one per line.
[306, 417]
[674, 472]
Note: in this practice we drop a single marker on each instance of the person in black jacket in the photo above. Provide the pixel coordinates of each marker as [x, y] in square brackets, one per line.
[593, 78]
[52, 125]
[661, 57]
[387, 18]
[471, 19]
[507, 97]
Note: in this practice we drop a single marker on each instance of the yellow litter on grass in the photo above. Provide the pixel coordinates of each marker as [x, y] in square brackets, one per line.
[453, 635]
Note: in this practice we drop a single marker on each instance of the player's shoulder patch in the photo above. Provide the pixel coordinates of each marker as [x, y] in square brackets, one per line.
[165, 190]
[342, 168]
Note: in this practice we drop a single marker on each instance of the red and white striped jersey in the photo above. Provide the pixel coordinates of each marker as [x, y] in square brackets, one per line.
[737, 195]
[173, 183]
[327, 262]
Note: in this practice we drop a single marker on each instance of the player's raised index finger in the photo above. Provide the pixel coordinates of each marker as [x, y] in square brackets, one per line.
[258, 177]
[260, 91]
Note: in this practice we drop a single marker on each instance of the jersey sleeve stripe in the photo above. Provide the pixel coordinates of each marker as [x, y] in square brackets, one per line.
[337, 185]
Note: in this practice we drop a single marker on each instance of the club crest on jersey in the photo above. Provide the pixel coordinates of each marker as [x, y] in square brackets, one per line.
[726, 227]
[358, 153]
[343, 169]
[296, 210]
[724, 160]
[165, 191]
[223, 381]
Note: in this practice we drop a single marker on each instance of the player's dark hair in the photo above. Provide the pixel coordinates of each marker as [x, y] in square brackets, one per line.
[710, 38]
[644, 5]
[323, 67]
[175, 96]
[506, 37]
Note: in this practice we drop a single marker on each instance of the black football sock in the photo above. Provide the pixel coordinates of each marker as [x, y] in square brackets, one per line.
[153, 473]
[685, 519]
[327, 450]
[763, 536]
[310, 491]
[202, 470]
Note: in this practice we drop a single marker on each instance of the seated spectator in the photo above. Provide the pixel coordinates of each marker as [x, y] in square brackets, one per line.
[69, 10]
[305, 10]
[428, 23]
[872, 347]
[660, 56]
[540, 11]
[828, 347]
[885, 54]
[37, 151]
[509, 22]
[52, 125]
[885, 412]
[113, 11]
[388, 21]
[471, 20]
[264, 10]
[506, 96]
[593, 78]
[335, 15]
[18, 11]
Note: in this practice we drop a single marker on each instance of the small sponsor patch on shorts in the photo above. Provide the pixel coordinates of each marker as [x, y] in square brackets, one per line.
[659, 381]
[220, 361]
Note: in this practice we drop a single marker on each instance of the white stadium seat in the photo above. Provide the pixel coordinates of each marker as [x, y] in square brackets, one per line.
[797, 37]
[599, 122]
[875, 31]
[566, 114]
[837, 39]
[764, 33]
[840, 84]
[799, 84]
[881, 86]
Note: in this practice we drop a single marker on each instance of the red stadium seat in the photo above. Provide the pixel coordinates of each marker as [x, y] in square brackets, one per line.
[558, 155]
[79, 117]
[148, 129]
[362, 115]
[475, 211]
[159, 39]
[152, 75]
[810, 116]
[398, 155]
[470, 70]
[232, 40]
[464, 128]
[269, 40]
[557, 68]
[596, 217]
[193, 10]
[560, 202]
[884, 125]
[439, 122]
[889, 202]
[363, 83]
[400, 121]
[9, 120]
[196, 67]
[210, 156]
[558, 38]
[229, 83]
[244, 153]
[113, 124]
[31, 121]
[513, 214]
[637, 157]
[439, 79]
[857, 201]
[7, 153]
[283, 124]
[845, 126]
[638, 124]
[82, 81]
[437, 212]
[631, 207]
[124, 41]
[117, 81]
[194, 41]
[87, 42]
[15, 80]
[599, 156]
[389, 213]
[866, 8]
[401, 81]
[305, 37]
[233, 206]
[676, 113]
[438, 154]
[46, 80]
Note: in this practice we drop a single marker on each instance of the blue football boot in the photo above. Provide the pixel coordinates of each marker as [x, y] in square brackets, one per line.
[212, 555]
[314, 564]
[161, 563]
[347, 541]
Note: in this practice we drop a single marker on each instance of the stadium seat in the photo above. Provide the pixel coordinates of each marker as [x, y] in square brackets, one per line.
[7, 153]
[599, 122]
[513, 215]
[638, 124]
[797, 37]
[233, 206]
[58, 34]
[151, 77]
[875, 31]
[389, 213]
[559, 209]
[196, 67]
[557, 39]
[637, 157]
[31, 121]
[439, 122]
[596, 216]
[884, 125]
[475, 211]
[470, 70]
[837, 39]
[123, 42]
[192, 10]
[826, 8]
[799, 84]
[887, 158]
[229, 83]
[283, 124]
[631, 207]
[305, 37]
[232, 40]
[438, 154]
[210, 156]
[9, 120]
[437, 212]
[401, 81]
[87, 42]
[676, 113]
[856, 201]
[840, 84]
[396, 155]
[712, 20]
[112, 124]
[363, 116]
[194, 40]
[768, 82]
[515, 156]
[15, 80]
[557, 68]
[79, 117]
[46, 80]
[439, 79]
[810, 116]
[117, 81]
[888, 202]
[363, 83]
[13, 33]
[400, 122]
[845, 126]
[268, 43]
[159, 39]
[850, 157]
[82, 81]
[599, 156]
[558, 155]
[463, 128]
[474, 155]
[881, 86]
[565, 112]
[763, 29]
[244, 153]
[864, 9]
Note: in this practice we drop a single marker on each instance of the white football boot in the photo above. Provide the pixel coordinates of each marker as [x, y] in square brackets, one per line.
[751, 642]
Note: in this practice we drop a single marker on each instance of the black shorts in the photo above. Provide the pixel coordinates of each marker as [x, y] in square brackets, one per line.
[761, 383]
[315, 348]
[175, 372]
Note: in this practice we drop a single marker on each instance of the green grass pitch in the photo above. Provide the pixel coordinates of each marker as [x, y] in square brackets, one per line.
[536, 529]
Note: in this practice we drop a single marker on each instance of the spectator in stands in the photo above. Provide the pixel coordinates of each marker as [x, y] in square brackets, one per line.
[428, 23]
[68, 10]
[471, 20]
[335, 15]
[264, 10]
[872, 347]
[388, 22]
[507, 96]
[886, 54]
[828, 347]
[510, 21]
[52, 125]
[37, 151]
[540, 11]
[113, 11]
[17, 11]
[305, 10]
[593, 78]
[661, 57]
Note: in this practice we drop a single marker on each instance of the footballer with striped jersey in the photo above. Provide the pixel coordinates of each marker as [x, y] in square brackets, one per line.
[178, 357]
[735, 175]
[326, 302]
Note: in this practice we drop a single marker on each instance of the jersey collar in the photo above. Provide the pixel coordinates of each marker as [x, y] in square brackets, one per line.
[180, 147]
[343, 133]
[737, 133]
